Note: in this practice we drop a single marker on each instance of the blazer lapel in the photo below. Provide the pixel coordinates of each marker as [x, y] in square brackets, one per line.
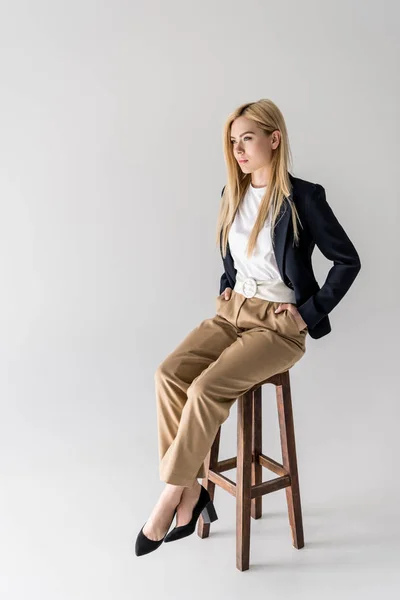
[280, 233]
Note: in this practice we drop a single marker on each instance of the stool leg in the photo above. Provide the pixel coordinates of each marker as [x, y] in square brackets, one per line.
[286, 427]
[203, 529]
[256, 468]
[243, 481]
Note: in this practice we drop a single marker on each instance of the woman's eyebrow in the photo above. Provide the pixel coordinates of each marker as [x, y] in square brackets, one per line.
[232, 138]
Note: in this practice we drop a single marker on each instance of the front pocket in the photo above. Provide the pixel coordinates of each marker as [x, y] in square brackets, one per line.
[292, 318]
[220, 297]
[221, 304]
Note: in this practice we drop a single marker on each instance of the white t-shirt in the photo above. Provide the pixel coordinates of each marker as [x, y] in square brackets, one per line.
[262, 264]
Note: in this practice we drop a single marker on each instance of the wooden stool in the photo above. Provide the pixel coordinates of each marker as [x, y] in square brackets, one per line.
[249, 487]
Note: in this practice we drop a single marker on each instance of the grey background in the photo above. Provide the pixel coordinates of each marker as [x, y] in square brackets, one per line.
[111, 167]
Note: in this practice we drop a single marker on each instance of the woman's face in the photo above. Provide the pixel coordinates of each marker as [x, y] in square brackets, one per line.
[252, 145]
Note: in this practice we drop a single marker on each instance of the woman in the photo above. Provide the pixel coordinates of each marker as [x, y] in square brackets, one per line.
[269, 223]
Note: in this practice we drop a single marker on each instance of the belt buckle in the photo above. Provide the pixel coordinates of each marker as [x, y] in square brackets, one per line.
[249, 287]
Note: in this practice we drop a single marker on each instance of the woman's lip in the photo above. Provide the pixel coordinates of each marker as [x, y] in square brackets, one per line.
[243, 160]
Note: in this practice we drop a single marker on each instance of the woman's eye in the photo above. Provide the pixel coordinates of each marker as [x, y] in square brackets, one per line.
[246, 137]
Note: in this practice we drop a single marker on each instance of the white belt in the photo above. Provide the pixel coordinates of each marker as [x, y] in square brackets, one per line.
[274, 290]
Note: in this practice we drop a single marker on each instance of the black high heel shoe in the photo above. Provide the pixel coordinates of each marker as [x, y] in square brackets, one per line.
[144, 545]
[204, 507]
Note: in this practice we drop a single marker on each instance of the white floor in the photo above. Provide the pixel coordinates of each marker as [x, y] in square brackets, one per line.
[71, 537]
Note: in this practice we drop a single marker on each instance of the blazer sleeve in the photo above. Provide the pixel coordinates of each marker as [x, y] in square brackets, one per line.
[335, 245]
[224, 282]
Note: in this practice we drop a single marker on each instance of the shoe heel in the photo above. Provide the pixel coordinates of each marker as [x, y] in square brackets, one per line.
[209, 513]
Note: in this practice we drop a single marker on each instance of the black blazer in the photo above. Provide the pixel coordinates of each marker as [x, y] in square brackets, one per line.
[321, 227]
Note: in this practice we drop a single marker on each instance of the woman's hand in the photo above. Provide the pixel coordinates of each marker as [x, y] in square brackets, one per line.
[226, 294]
[293, 309]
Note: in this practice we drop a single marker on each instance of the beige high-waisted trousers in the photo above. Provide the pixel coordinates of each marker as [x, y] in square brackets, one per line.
[220, 359]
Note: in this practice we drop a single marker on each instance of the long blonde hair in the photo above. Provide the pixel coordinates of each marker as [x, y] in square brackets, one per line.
[268, 117]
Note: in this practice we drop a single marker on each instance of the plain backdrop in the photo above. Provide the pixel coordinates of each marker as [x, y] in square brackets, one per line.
[111, 169]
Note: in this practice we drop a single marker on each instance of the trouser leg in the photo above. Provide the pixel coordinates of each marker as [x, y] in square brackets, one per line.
[175, 374]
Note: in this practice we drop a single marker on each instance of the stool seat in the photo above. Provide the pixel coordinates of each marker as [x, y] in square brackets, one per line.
[249, 487]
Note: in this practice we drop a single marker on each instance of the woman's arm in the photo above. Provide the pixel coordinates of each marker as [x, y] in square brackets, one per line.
[335, 245]
[224, 283]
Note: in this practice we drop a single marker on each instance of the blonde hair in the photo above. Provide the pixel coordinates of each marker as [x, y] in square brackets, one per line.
[267, 117]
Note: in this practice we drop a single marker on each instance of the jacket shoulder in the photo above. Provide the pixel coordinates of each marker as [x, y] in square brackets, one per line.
[302, 186]
[303, 191]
